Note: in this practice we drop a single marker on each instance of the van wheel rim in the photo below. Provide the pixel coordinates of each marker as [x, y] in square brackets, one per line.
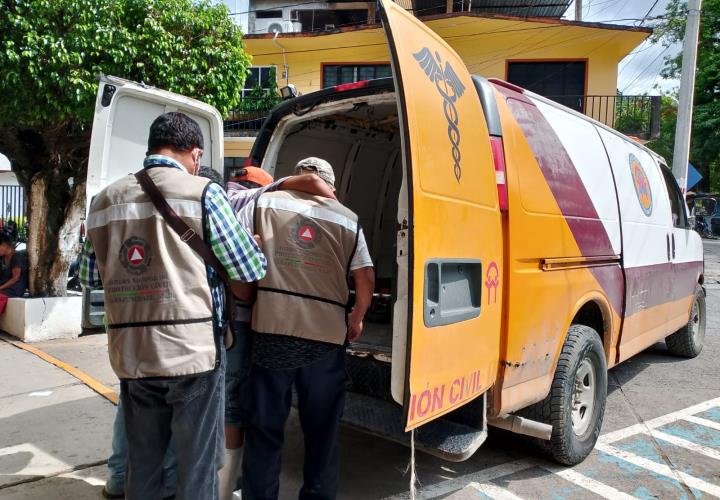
[583, 397]
[697, 325]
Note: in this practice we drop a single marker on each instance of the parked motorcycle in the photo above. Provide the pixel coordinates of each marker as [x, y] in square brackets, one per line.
[702, 227]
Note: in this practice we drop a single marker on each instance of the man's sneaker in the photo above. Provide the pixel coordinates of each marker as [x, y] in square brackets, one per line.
[108, 492]
[116, 489]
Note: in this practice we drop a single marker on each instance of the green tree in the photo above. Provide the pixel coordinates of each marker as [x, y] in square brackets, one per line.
[705, 143]
[51, 53]
[664, 144]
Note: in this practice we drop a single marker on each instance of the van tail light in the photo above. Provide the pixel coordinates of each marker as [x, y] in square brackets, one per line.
[351, 86]
[82, 231]
[496, 143]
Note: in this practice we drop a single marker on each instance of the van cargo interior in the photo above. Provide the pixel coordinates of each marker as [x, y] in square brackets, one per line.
[360, 139]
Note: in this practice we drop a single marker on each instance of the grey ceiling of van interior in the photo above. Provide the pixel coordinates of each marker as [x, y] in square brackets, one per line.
[518, 8]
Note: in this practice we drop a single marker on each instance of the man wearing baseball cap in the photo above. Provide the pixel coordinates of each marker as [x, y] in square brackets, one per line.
[243, 190]
[301, 323]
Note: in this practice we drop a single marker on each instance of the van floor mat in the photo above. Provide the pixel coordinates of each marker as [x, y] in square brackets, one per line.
[442, 438]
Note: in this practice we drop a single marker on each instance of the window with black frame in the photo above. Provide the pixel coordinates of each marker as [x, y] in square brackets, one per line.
[258, 76]
[336, 74]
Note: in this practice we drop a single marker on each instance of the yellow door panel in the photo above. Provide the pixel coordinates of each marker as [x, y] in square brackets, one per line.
[455, 226]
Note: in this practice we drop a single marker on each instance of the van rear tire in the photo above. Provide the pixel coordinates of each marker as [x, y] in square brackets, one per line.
[576, 403]
[688, 341]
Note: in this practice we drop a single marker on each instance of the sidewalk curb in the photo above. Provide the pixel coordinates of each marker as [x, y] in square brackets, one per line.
[83, 377]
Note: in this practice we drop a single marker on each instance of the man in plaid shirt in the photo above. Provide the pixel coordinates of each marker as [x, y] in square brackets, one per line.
[170, 359]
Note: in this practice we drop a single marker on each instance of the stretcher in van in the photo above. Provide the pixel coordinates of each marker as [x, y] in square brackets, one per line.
[521, 249]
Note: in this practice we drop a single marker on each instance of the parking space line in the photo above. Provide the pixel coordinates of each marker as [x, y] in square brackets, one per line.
[642, 427]
[703, 421]
[661, 469]
[650, 427]
[495, 491]
[688, 445]
[40, 462]
[588, 483]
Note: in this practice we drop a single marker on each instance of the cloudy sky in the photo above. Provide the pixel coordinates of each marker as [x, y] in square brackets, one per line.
[639, 73]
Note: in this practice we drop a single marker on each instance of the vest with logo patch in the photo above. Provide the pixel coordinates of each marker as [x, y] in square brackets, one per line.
[309, 242]
[158, 303]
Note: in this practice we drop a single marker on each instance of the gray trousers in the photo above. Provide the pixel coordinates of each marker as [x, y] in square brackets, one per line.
[190, 409]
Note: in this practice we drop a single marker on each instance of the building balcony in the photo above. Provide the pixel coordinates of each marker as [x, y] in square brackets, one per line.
[636, 116]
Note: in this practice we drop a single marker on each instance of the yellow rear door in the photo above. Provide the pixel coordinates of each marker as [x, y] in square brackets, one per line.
[454, 262]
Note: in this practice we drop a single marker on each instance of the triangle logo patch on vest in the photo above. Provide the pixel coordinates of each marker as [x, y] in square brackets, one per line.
[135, 255]
[306, 233]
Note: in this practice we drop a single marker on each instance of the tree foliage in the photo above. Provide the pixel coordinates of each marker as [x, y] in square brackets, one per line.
[705, 145]
[51, 53]
[664, 144]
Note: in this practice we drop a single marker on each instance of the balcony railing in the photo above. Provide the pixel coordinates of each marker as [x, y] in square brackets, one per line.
[632, 115]
[248, 118]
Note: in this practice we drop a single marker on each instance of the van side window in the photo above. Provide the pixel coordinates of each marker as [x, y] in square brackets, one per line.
[677, 203]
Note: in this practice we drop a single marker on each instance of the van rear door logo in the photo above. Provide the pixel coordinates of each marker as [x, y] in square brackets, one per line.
[451, 89]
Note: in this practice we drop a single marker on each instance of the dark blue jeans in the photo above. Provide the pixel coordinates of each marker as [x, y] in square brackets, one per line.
[237, 375]
[117, 462]
[320, 388]
[190, 409]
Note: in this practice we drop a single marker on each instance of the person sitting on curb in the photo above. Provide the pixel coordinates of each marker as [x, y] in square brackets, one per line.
[13, 271]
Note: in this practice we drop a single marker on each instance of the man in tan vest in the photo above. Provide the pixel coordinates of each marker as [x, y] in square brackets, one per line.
[301, 322]
[165, 308]
[246, 187]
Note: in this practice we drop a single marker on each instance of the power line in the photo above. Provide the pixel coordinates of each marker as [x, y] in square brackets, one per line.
[643, 72]
[648, 12]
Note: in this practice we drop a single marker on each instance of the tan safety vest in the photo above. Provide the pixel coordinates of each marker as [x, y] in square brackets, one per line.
[158, 304]
[309, 242]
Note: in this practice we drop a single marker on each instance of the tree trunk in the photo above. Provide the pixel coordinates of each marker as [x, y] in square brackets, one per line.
[68, 244]
[50, 254]
[52, 166]
[37, 243]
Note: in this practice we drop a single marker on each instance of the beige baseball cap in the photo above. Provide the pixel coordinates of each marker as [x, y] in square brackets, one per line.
[318, 166]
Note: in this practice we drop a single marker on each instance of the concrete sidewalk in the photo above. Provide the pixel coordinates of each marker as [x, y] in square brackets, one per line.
[54, 431]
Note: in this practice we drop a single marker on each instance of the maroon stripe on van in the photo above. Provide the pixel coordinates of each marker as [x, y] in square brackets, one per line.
[569, 192]
[651, 286]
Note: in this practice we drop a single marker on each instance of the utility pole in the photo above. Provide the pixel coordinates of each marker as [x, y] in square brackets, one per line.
[681, 152]
[578, 10]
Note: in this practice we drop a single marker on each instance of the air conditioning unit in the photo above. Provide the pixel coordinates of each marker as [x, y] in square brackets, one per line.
[277, 26]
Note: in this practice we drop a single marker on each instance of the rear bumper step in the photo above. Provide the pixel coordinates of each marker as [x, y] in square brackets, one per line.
[449, 438]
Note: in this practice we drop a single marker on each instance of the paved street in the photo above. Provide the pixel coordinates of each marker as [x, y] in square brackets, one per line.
[661, 436]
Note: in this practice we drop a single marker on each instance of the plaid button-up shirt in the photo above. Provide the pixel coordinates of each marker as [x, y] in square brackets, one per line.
[232, 244]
